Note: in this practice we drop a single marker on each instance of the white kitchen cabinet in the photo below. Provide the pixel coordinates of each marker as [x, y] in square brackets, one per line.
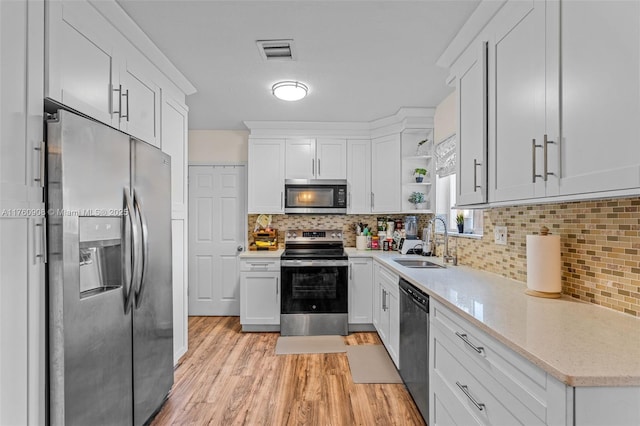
[386, 310]
[385, 174]
[523, 101]
[359, 176]
[22, 225]
[260, 294]
[476, 380]
[266, 175]
[360, 291]
[331, 158]
[174, 142]
[600, 54]
[140, 103]
[471, 83]
[93, 69]
[316, 159]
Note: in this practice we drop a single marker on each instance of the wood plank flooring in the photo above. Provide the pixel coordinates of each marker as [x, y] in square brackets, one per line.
[234, 378]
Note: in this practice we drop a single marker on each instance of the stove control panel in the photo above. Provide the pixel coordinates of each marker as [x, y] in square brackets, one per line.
[305, 235]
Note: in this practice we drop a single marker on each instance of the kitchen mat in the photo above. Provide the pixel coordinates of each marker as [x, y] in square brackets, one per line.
[309, 345]
[371, 364]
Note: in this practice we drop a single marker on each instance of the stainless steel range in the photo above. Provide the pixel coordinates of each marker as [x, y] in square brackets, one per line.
[314, 283]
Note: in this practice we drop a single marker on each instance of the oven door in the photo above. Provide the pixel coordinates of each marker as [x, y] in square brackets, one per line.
[314, 286]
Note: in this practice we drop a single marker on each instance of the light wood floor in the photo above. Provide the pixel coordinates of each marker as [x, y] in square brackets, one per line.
[234, 378]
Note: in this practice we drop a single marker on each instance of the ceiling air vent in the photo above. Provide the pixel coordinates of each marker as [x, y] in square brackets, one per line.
[277, 50]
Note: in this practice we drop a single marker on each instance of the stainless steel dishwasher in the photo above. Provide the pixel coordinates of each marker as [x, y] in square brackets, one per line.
[414, 344]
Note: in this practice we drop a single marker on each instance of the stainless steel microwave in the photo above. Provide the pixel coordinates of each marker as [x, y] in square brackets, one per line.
[315, 196]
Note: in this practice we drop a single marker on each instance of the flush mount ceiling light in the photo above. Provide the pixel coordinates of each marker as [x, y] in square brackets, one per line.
[289, 90]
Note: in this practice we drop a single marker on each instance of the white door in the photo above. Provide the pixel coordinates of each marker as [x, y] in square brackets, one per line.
[266, 175]
[359, 176]
[300, 160]
[331, 159]
[385, 177]
[217, 233]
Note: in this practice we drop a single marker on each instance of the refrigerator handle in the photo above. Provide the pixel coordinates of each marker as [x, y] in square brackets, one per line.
[134, 258]
[145, 248]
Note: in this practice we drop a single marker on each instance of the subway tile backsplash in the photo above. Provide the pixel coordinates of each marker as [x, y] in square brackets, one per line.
[600, 245]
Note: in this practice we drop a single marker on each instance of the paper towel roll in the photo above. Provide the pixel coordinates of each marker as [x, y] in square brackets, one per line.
[544, 272]
[361, 242]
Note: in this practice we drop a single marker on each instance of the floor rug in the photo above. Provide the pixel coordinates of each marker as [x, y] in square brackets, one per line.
[371, 364]
[310, 345]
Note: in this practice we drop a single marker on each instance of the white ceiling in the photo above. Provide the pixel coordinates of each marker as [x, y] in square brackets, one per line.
[362, 60]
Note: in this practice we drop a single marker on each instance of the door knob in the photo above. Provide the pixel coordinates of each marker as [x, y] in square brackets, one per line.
[240, 248]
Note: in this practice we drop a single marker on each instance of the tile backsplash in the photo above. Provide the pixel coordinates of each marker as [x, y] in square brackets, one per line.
[600, 246]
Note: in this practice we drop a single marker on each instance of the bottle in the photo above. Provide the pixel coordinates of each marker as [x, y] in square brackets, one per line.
[411, 227]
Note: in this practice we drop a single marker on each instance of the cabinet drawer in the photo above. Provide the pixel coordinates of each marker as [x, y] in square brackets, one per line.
[480, 394]
[260, 264]
[447, 408]
[388, 277]
[516, 375]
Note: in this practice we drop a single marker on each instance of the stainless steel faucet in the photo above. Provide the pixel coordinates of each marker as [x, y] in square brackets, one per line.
[445, 250]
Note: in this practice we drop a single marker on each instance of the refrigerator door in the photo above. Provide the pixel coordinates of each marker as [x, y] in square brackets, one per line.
[89, 273]
[153, 307]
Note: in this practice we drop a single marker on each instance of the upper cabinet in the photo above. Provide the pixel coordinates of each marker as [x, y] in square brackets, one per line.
[316, 159]
[600, 46]
[563, 84]
[471, 81]
[93, 69]
[359, 176]
[385, 177]
[519, 105]
[266, 175]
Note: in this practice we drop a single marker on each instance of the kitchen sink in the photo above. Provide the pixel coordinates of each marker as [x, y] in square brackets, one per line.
[417, 263]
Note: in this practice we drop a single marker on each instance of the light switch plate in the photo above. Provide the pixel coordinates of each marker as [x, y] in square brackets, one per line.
[500, 235]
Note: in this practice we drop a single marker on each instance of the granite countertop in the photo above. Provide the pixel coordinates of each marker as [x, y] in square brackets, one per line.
[579, 343]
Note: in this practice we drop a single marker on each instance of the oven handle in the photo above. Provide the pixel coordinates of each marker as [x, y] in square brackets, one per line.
[313, 263]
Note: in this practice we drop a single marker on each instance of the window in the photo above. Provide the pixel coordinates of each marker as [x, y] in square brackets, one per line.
[446, 189]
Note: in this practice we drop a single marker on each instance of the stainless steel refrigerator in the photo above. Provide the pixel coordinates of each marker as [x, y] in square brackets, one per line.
[109, 286]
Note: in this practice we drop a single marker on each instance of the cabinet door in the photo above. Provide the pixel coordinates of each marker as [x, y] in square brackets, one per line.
[260, 298]
[359, 176]
[300, 159]
[81, 69]
[393, 311]
[385, 176]
[266, 175]
[331, 159]
[174, 143]
[360, 291]
[517, 101]
[472, 126]
[140, 104]
[600, 101]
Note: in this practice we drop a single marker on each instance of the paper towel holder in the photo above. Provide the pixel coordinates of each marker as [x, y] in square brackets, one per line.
[546, 295]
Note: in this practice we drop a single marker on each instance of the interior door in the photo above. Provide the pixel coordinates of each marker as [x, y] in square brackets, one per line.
[217, 232]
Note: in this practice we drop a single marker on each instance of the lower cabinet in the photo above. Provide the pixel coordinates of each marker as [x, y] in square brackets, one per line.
[260, 294]
[386, 310]
[360, 294]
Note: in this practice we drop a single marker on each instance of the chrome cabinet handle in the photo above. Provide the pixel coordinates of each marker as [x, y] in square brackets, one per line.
[533, 156]
[350, 271]
[319, 168]
[384, 300]
[277, 286]
[545, 144]
[373, 204]
[145, 249]
[281, 200]
[119, 111]
[465, 339]
[42, 154]
[126, 95]
[475, 182]
[313, 166]
[479, 405]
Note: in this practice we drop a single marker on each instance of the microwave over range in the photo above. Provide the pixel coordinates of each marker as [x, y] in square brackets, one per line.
[315, 196]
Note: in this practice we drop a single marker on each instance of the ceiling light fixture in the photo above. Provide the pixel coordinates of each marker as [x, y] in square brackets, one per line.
[289, 90]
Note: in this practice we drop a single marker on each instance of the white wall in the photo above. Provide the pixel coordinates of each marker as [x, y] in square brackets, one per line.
[444, 120]
[218, 146]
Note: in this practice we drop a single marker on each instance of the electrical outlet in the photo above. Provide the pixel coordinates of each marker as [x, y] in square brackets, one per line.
[500, 235]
